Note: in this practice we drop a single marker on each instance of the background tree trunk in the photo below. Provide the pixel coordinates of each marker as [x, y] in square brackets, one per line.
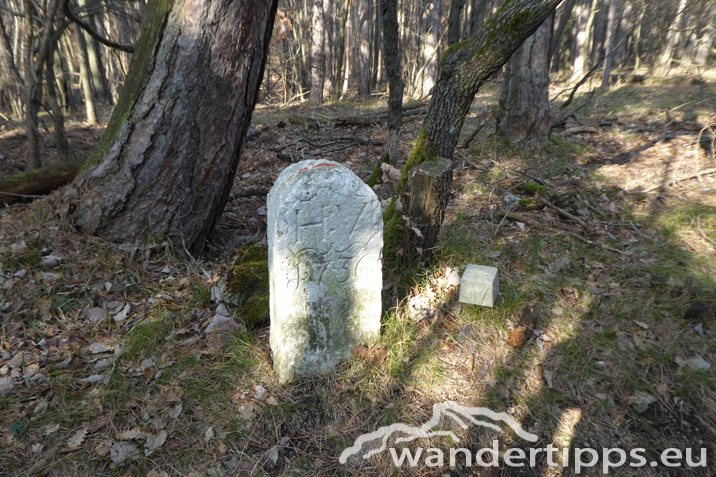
[580, 45]
[454, 21]
[430, 50]
[85, 80]
[672, 39]
[609, 43]
[391, 47]
[524, 114]
[328, 14]
[166, 163]
[364, 53]
[557, 39]
[317, 57]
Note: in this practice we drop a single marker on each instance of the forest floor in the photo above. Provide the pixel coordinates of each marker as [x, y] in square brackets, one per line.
[106, 369]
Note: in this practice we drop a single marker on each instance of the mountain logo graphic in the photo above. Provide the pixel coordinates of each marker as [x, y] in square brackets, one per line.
[368, 445]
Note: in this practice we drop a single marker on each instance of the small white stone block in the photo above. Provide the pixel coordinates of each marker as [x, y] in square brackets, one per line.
[479, 285]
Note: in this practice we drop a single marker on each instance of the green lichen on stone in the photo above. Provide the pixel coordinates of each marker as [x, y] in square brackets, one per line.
[246, 286]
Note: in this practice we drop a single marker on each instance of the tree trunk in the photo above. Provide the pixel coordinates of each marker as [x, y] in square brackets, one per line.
[581, 38]
[456, 7]
[524, 113]
[430, 51]
[555, 51]
[338, 83]
[328, 12]
[85, 79]
[391, 48]
[672, 39]
[624, 18]
[11, 72]
[707, 38]
[429, 191]
[377, 45]
[317, 58]
[35, 52]
[364, 31]
[58, 119]
[611, 35]
[465, 66]
[166, 162]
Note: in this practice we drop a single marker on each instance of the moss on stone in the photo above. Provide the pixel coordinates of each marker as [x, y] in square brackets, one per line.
[252, 253]
[255, 312]
[246, 286]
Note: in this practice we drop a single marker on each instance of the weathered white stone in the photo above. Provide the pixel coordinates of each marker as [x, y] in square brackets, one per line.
[325, 237]
[479, 285]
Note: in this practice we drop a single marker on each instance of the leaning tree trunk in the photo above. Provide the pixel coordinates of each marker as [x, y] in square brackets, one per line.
[523, 114]
[166, 162]
[465, 66]
[391, 48]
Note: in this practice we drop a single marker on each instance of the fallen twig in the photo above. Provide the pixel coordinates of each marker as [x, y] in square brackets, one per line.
[468, 161]
[475, 132]
[580, 129]
[520, 218]
[680, 179]
[570, 216]
[562, 120]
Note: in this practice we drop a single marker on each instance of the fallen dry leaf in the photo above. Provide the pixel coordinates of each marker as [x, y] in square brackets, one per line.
[103, 448]
[130, 434]
[76, 440]
[154, 442]
[122, 450]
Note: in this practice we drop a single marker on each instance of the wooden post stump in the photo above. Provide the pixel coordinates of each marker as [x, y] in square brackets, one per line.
[429, 190]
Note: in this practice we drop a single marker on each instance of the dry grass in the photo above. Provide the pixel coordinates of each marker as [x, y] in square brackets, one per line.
[610, 325]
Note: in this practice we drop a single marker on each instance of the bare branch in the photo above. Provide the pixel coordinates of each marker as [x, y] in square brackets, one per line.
[117, 46]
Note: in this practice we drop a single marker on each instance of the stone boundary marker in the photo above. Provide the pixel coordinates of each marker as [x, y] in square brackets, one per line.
[479, 285]
[325, 238]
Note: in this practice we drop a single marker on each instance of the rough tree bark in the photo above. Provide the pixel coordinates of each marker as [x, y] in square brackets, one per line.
[464, 67]
[393, 69]
[523, 114]
[166, 162]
